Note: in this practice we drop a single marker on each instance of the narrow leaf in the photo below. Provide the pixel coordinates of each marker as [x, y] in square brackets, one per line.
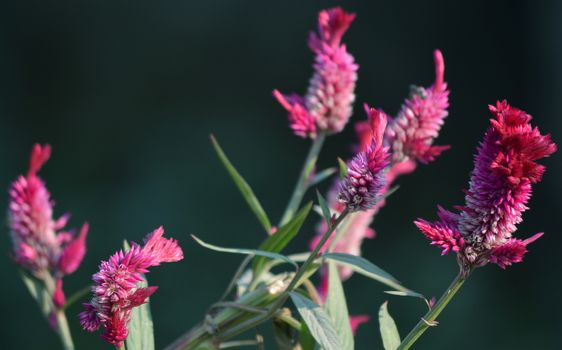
[365, 267]
[405, 293]
[321, 176]
[279, 240]
[39, 293]
[318, 322]
[306, 340]
[141, 329]
[325, 209]
[389, 332]
[245, 251]
[336, 308]
[244, 188]
[342, 168]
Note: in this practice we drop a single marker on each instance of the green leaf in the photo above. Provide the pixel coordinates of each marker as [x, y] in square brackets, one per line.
[336, 308]
[364, 267]
[245, 251]
[141, 330]
[405, 293]
[389, 332]
[279, 240]
[342, 167]
[306, 340]
[244, 188]
[321, 176]
[325, 209]
[39, 292]
[318, 322]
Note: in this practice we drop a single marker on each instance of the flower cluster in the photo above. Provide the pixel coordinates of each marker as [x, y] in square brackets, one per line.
[327, 105]
[360, 189]
[500, 186]
[41, 244]
[116, 286]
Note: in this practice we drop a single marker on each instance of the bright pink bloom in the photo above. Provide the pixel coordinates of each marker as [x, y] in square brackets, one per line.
[500, 186]
[410, 135]
[300, 120]
[116, 290]
[360, 189]
[38, 239]
[59, 298]
[357, 320]
[328, 101]
[72, 255]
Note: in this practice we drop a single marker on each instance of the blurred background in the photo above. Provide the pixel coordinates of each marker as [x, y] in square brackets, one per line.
[127, 95]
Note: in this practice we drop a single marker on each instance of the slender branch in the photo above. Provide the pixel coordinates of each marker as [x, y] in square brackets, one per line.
[77, 296]
[429, 319]
[303, 180]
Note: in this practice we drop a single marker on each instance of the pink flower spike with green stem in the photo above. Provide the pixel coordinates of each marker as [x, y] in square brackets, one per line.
[505, 168]
[116, 291]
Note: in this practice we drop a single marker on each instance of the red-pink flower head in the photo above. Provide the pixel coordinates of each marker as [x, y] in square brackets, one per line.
[365, 178]
[327, 105]
[505, 167]
[116, 291]
[38, 240]
[410, 135]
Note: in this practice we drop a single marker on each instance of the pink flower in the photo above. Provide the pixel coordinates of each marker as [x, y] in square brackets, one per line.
[411, 134]
[327, 105]
[38, 240]
[357, 320]
[500, 186]
[116, 290]
[360, 189]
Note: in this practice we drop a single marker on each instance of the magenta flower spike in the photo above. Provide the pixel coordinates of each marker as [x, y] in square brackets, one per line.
[360, 189]
[327, 105]
[410, 135]
[505, 169]
[40, 243]
[116, 291]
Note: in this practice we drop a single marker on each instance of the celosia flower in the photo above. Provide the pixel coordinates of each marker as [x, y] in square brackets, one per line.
[360, 189]
[40, 244]
[410, 135]
[327, 105]
[500, 186]
[116, 291]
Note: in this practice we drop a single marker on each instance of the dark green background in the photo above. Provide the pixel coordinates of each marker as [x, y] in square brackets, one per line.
[128, 92]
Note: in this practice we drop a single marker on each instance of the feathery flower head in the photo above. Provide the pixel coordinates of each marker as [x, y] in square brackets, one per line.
[116, 291]
[39, 241]
[365, 179]
[327, 105]
[505, 167]
[410, 135]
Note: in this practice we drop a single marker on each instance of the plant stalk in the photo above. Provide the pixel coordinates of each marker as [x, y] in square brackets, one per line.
[429, 319]
[304, 178]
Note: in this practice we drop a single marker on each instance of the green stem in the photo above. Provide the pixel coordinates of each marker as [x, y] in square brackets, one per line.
[121, 347]
[77, 296]
[429, 319]
[303, 180]
[64, 331]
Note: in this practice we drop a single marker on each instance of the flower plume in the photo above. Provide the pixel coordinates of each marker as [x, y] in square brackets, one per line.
[505, 167]
[116, 291]
[327, 105]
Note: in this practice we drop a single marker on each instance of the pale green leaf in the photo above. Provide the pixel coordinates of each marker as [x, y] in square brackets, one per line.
[318, 322]
[342, 168]
[243, 186]
[245, 251]
[326, 213]
[364, 267]
[336, 308]
[389, 332]
[39, 292]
